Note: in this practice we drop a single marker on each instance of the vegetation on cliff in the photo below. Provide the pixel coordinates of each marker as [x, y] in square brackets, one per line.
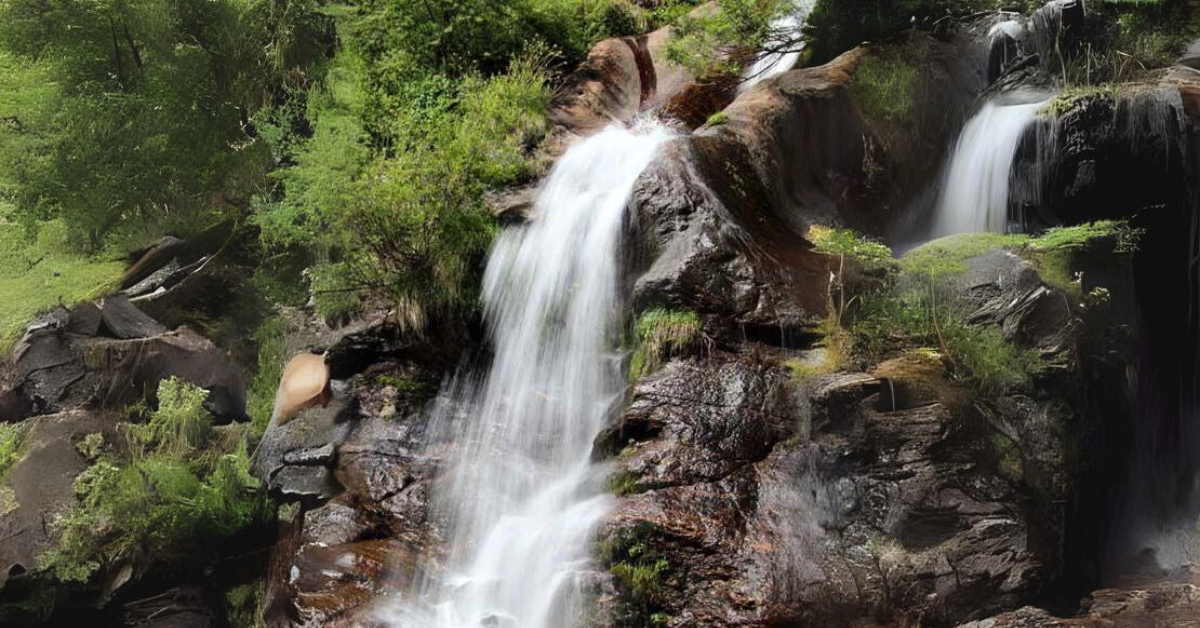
[160, 491]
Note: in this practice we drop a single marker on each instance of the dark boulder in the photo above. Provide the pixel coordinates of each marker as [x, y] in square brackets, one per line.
[120, 319]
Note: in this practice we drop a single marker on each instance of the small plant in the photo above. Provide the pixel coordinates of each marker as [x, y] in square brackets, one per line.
[181, 486]
[638, 572]
[260, 402]
[623, 483]
[11, 436]
[661, 334]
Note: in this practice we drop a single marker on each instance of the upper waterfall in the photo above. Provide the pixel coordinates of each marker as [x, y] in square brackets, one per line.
[522, 497]
[975, 188]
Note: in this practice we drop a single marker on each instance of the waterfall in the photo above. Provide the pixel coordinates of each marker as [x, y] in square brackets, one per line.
[521, 496]
[975, 188]
[773, 63]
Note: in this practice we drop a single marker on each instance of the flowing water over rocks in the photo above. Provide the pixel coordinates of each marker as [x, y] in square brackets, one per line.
[522, 496]
[975, 190]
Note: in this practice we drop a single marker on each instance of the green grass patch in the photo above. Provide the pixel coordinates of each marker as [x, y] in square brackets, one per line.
[244, 605]
[623, 483]
[661, 334]
[883, 87]
[946, 256]
[41, 272]
[260, 398]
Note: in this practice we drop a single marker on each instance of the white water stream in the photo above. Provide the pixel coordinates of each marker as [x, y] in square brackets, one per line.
[776, 62]
[522, 497]
[975, 188]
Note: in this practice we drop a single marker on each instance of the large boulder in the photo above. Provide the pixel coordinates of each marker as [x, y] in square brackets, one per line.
[68, 360]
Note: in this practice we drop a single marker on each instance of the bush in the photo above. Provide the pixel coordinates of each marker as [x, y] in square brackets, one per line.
[181, 487]
[638, 573]
[260, 401]
[660, 335]
[10, 447]
[870, 255]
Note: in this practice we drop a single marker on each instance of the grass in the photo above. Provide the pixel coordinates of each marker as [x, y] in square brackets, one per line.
[623, 483]
[39, 273]
[661, 334]
[260, 397]
[883, 87]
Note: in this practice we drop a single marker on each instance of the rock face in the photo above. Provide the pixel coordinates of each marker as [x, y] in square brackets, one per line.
[366, 520]
[894, 494]
[1174, 604]
[621, 78]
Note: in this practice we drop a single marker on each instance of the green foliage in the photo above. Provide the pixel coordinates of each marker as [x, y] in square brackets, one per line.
[659, 335]
[638, 572]
[869, 254]
[145, 116]
[182, 487]
[623, 483]
[244, 605]
[702, 43]
[40, 271]
[835, 26]
[995, 364]
[260, 397]
[10, 447]
[1125, 41]
[717, 119]
[884, 87]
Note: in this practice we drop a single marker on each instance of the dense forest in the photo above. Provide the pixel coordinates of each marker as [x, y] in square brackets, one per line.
[194, 192]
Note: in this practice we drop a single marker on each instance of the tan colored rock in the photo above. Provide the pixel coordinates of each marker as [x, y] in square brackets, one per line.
[305, 383]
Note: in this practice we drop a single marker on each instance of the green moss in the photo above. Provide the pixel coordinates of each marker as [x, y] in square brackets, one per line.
[869, 254]
[11, 439]
[883, 87]
[717, 119]
[244, 605]
[1008, 457]
[946, 256]
[623, 483]
[1066, 99]
[661, 334]
[39, 273]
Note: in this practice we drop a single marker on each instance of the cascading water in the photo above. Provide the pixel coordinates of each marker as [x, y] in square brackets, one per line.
[522, 498]
[975, 189]
[782, 53]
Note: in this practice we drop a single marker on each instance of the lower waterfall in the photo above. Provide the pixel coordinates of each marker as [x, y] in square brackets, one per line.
[975, 188]
[521, 496]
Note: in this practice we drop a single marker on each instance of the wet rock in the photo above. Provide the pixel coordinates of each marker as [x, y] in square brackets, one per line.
[620, 78]
[999, 288]
[295, 460]
[1174, 604]
[338, 557]
[1059, 24]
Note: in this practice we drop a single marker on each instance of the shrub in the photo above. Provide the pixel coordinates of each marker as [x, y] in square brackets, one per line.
[661, 334]
[10, 447]
[638, 573]
[182, 487]
[869, 254]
